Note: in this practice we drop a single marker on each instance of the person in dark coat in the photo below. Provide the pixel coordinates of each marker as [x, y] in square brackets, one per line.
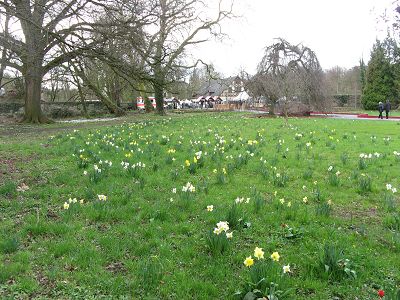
[381, 108]
[387, 108]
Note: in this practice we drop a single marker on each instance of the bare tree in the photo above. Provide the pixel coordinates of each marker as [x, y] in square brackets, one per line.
[52, 33]
[178, 25]
[289, 72]
[5, 55]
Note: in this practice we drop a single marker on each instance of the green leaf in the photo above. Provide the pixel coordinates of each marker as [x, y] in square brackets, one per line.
[250, 296]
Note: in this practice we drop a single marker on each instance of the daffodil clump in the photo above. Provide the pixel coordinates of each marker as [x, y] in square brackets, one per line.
[135, 169]
[251, 145]
[164, 140]
[218, 239]
[83, 160]
[333, 177]
[365, 183]
[279, 179]
[170, 156]
[396, 155]
[22, 188]
[240, 200]
[267, 278]
[221, 175]
[298, 136]
[102, 198]
[366, 158]
[187, 191]
[72, 201]
[100, 170]
[391, 188]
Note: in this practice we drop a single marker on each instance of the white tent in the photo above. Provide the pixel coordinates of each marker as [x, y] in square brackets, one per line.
[242, 96]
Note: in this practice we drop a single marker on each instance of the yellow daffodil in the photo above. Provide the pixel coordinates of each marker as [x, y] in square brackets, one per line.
[187, 163]
[66, 205]
[210, 207]
[248, 262]
[259, 253]
[195, 160]
[275, 256]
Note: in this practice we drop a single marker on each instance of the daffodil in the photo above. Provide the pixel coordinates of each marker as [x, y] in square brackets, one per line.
[286, 269]
[102, 197]
[248, 262]
[275, 256]
[259, 253]
[210, 207]
[187, 163]
[229, 235]
[66, 205]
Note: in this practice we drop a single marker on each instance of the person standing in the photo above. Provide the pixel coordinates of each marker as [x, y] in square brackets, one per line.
[380, 109]
[387, 108]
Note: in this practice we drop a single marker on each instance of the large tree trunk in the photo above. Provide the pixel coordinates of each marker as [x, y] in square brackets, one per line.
[271, 108]
[33, 89]
[159, 95]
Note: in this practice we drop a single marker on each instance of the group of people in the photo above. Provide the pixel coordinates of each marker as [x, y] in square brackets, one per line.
[384, 107]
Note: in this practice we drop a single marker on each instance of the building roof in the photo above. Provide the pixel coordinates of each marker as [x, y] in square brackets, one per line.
[215, 87]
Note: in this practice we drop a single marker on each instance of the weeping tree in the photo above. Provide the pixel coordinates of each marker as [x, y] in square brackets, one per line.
[289, 73]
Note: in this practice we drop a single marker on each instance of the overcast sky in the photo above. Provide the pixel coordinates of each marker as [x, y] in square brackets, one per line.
[340, 32]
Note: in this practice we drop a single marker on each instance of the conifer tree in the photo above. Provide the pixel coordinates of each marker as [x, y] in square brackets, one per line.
[379, 85]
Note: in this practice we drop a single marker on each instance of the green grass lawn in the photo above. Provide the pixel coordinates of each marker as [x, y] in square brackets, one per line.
[107, 212]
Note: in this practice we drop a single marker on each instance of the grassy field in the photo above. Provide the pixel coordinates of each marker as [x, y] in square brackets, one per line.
[204, 206]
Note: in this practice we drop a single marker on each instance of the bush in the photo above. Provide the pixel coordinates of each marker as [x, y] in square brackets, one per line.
[342, 99]
[59, 112]
[370, 101]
